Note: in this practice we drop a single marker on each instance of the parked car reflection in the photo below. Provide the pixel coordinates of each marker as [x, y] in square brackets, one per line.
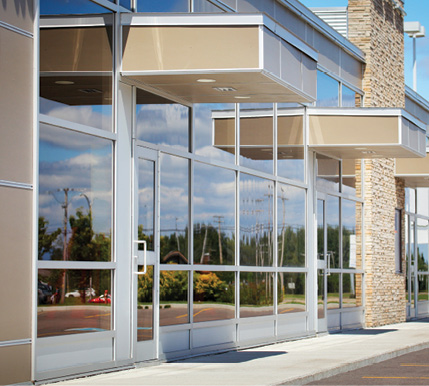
[102, 299]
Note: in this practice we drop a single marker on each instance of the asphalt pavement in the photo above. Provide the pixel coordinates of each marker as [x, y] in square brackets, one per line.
[296, 362]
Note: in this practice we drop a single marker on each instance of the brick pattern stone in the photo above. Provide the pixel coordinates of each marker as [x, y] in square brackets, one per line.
[376, 27]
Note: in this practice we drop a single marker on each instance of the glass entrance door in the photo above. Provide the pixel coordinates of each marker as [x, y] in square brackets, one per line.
[145, 258]
[322, 268]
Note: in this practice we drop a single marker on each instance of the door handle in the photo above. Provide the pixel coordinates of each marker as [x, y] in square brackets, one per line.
[144, 257]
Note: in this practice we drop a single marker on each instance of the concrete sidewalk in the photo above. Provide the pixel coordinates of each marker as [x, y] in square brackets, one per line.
[294, 363]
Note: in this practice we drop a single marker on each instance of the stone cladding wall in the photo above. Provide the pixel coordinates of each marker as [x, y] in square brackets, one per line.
[376, 27]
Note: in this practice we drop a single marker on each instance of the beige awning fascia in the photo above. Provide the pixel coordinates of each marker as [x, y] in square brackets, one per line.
[248, 58]
[415, 172]
[353, 133]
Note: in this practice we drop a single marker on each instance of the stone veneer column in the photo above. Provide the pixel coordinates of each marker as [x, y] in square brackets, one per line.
[376, 27]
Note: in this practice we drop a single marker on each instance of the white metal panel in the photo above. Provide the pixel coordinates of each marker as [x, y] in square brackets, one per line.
[293, 325]
[173, 341]
[352, 318]
[81, 349]
[214, 335]
[255, 331]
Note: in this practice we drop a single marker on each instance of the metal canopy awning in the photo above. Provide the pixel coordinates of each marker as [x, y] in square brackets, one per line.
[218, 58]
[366, 133]
[415, 172]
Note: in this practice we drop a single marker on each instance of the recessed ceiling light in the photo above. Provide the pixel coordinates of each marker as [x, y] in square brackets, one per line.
[64, 82]
[242, 97]
[206, 80]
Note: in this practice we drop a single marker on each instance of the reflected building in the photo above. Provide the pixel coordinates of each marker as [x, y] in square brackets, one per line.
[164, 195]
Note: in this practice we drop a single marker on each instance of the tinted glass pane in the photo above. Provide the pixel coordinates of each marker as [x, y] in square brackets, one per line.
[328, 173]
[256, 294]
[351, 178]
[145, 305]
[422, 244]
[256, 221]
[173, 297]
[410, 200]
[351, 221]
[214, 215]
[423, 287]
[423, 201]
[125, 3]
[291, 292]
[146, 203]
[161, 121]
[163, 6]
[290, 148]
[352, 290]
[75, 196]
[333, 225]
[76, 84]
[73, 302]
[174, 207]
[333, 291]
[327, 91]
[291, 226]
[214, 296]
[206, 6]
[67, 7]
[256, 136]
[349, 98]
[215, 131]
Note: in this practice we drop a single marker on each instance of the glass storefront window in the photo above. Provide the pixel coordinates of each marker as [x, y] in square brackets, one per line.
[256, 136]
[350, 218]
[174, 207]
[145, 305]
[333, 291]
[173, 298]
[75, 196]
[422, 201]
[73, 301]
[290, 145]
[328, 173]
[352, 290]
[256, 221]
[333, 229]
[214, 296]
[423, 288]
[410, 200]
[215, 131]
[351, 178]
[146, 193]
[256, 294]
[214, 215]
[327, 91]
[422, 245]
[161, 121]
[291, 292]
[163, 6]
[291, 226]
[76, 85]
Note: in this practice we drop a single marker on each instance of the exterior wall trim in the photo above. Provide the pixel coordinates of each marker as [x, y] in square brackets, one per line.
[13, 184]
[16, 29]
[17, 342]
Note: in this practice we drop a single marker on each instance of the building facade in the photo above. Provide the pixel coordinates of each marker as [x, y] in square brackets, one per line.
[191, 176]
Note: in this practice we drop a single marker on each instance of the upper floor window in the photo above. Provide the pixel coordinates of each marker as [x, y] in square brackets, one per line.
[327, 91]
